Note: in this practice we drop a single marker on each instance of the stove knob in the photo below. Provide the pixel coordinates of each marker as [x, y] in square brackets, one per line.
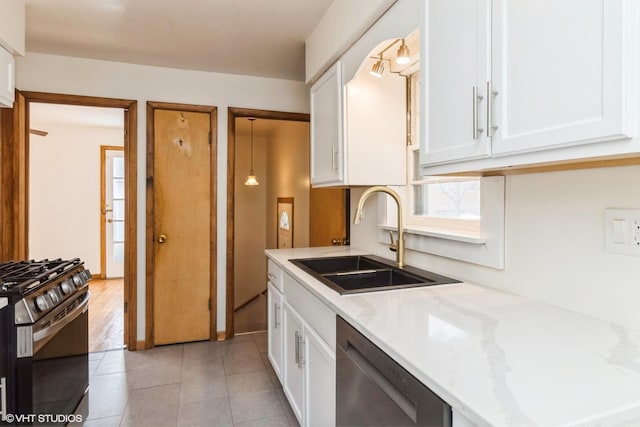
[53, 295]
[66, 287]
[41, 303]
[77, 280]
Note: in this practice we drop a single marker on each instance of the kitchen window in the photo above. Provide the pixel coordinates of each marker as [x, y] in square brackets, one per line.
[455, 217]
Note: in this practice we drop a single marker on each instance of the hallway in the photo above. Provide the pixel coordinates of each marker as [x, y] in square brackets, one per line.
[106, 315]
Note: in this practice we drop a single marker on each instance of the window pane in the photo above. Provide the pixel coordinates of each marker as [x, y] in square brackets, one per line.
[118, 252]
[118, 167]
[118, 210]
[118, 231]
[459, 199]
[420, 197]
[416, 166]
[118, 188]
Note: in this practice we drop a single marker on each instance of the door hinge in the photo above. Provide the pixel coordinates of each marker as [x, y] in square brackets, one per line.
[126, 307]
[210, 138]
[209, 304]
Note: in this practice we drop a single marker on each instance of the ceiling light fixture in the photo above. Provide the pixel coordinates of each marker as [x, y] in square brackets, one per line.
[378, 67]
[251, 179]
[403, 54]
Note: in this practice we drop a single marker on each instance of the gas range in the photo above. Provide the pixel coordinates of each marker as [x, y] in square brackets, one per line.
[36, 288]
[44, 330]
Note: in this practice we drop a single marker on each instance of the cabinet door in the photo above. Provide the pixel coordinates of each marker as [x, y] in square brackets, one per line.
[455, 53]
[563, 72]
[320, 370]
[326, 128]
[275, 330]
[293, 366]
[7, 75]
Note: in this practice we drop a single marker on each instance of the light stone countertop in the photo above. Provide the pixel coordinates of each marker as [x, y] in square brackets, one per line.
[497, 358]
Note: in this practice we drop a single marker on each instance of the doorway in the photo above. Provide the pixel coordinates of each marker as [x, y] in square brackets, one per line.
[112, 215]
[282, 180]
[75, 136]
[17, 188]
[181, 223]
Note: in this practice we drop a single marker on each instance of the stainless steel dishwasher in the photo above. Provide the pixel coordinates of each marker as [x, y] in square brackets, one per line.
[374, 390]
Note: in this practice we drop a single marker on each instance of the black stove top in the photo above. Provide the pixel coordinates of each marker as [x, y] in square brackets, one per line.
[22, 277]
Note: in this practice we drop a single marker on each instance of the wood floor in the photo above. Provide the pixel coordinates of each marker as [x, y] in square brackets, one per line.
[106, 316]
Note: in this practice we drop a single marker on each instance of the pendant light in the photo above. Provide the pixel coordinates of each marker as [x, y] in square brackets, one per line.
[403, 55]
[378, 67]
[251, 179]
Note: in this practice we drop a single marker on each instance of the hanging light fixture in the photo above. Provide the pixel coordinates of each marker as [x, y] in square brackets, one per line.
[403, 54]
[251, 179]
[378, 67]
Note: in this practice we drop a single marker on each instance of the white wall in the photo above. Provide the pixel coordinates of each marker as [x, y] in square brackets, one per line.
[12, 20]
[554, 243]
[77, 76]
[64, 192]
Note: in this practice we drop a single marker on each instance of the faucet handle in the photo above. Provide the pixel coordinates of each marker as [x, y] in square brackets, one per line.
[393, 246]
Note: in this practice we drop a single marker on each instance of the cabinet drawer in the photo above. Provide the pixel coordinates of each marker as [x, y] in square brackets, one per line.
[316, 314]
[274, 275]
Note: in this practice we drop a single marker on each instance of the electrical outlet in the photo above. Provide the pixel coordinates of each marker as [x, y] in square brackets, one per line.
[622, 231]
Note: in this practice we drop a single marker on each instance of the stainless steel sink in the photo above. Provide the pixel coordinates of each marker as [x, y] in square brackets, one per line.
[359, 273]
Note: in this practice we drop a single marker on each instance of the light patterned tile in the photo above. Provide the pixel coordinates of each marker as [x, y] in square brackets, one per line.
[215, 412]
[155, 406]
[254, 406]
[249, 383]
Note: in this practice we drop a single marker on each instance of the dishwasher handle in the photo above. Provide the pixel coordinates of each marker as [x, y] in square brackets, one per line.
[409, 407]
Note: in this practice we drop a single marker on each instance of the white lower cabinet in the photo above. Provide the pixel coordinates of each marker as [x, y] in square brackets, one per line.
[320, 390]
[459, 420]
[276, 330]
[293, 361]
[308, 358]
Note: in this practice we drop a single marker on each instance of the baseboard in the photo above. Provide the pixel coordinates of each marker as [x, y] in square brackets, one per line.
[222, 336]
[140, 345]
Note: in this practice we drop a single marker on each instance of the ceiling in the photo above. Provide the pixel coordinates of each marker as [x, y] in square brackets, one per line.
[42, 116]
[250, 37]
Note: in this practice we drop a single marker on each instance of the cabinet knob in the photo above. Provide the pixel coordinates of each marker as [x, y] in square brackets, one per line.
[162, 238]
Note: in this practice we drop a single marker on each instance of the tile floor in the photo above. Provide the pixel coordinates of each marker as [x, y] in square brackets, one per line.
[227, 383]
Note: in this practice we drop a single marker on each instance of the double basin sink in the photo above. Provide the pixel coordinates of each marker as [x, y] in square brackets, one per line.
[366, 273]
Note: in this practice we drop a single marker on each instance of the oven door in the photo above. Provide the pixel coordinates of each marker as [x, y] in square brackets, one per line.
[372, 389]
[59, 364]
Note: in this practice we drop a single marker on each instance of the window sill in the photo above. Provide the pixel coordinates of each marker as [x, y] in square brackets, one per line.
[439, 233]
[486, 250]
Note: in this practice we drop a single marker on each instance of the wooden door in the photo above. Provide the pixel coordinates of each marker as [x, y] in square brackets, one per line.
[328, 217]
[182, 222]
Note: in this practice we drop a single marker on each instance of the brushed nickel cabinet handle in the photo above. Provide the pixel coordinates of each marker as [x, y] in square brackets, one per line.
[491, 93]
[477, 98]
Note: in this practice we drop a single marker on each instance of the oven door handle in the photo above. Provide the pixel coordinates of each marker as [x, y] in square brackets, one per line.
[48, 331]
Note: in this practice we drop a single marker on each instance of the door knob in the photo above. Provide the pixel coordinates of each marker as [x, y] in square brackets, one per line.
[336, 242]
[162, 238]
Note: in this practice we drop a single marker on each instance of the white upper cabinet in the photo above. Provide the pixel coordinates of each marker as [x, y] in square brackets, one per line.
[561, 72]
[7, 78]
[456, 63]
[556, 81]
[358, 121]
[326, 128]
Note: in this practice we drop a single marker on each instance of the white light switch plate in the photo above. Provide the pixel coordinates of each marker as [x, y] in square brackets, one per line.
[622, 231]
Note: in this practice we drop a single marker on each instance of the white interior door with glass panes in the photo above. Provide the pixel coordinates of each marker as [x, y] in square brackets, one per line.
[114, 213]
